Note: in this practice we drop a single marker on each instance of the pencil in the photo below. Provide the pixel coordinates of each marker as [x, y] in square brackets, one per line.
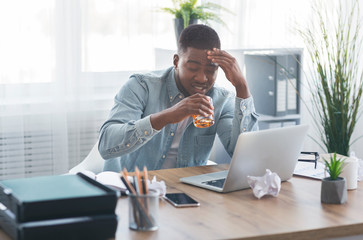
[146, 177]
[125, 172]
[128, 184]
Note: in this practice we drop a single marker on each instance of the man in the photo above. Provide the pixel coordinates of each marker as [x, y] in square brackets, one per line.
[150, 124]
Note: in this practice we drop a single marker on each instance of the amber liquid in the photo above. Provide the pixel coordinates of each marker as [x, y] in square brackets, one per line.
[202, 122]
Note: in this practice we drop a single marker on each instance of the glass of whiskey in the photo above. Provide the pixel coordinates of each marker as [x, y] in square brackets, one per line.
[204, 122]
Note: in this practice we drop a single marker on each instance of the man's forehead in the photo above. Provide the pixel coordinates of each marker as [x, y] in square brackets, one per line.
[198, 56]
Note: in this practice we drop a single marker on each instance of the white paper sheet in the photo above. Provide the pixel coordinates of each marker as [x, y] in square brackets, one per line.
[306, 169]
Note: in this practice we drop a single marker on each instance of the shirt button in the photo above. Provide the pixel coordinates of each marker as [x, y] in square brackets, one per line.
[163, 156]
[171, 134]
[170, 97]
[127, 145]
[244, 107]
[146, 132]
[243, 129]
[180, 96]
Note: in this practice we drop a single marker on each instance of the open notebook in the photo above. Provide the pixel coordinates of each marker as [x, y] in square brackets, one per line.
[108, 178]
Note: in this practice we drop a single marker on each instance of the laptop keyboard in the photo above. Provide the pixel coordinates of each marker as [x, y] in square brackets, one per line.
[217, 183]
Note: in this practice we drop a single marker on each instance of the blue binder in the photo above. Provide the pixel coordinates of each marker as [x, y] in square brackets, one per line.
[82, 227]
[52, 197]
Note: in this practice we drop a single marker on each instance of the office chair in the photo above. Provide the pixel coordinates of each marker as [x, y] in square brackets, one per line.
[93, 162]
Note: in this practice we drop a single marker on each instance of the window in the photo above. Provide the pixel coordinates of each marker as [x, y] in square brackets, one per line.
[26, 43]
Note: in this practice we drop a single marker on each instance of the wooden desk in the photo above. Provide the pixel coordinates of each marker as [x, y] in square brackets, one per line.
[295, 214]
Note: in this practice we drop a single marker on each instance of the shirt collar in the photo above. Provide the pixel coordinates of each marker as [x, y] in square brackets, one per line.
[173, 91]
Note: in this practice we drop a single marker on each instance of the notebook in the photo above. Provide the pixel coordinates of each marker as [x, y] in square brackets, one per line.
[275, 149]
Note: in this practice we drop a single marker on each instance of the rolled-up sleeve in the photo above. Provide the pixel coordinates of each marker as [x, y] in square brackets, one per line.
[244, 119]
[126, 130]
[247, 114]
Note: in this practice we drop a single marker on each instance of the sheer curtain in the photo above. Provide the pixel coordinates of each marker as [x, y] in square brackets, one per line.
[61, 63]
[33, 133]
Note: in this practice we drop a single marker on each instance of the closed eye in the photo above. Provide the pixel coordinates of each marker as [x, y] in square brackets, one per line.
[211, 72]
[193, 69]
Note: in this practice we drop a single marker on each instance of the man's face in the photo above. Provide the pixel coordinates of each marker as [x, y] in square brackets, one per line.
[194, 73]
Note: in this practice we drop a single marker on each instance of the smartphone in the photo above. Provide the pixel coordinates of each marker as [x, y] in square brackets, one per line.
[181, 200]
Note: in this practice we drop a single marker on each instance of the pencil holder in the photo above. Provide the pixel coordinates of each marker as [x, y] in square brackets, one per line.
[144, 211]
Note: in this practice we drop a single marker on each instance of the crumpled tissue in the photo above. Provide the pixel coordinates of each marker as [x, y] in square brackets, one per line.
[157, 185]
[269, 184]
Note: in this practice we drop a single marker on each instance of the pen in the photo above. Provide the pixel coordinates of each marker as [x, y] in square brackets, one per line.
[128, 185]
[143, 185]
[138, 181]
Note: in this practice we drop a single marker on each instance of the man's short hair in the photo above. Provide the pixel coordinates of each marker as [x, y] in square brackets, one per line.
[198, 36]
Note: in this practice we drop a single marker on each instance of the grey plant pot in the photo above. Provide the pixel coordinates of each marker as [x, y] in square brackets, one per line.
[179, 26]
[333, 191]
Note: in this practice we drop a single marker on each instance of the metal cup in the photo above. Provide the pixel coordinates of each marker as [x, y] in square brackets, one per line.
[144, 211]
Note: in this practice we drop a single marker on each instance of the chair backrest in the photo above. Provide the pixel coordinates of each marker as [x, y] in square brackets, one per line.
[93, 162]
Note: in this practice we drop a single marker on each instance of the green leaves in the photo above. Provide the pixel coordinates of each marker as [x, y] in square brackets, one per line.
[334, 44]
[187, 10]
[334, 167]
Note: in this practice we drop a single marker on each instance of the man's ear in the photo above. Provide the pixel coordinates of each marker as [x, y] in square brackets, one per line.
[176, 60]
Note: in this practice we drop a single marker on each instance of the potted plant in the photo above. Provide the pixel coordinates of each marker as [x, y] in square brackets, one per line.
[334, 188]
[334, 42]
[187, 12]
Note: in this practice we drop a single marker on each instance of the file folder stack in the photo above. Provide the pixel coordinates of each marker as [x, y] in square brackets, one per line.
[57, 207]
[274, 82]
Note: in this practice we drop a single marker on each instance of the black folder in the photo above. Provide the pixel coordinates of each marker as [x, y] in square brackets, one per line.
[52, 197]
[84, 227]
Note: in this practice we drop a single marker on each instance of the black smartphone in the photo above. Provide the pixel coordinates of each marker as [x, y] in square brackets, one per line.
[181, 200]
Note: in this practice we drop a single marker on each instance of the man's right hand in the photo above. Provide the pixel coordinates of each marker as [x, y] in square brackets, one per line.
[196, 104]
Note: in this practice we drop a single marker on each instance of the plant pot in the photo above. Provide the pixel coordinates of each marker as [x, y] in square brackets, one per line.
[350, 169]
[333, 191]
[179, 26]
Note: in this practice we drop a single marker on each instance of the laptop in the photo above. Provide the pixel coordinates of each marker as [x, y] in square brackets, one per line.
[275, 149]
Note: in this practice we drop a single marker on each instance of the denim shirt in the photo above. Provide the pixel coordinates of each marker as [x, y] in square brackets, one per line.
[127, 138]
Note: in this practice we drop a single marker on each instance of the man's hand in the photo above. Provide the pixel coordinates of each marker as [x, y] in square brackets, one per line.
[231, 69]
[197, 104]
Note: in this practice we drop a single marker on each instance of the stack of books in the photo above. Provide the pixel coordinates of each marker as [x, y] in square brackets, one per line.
[57, 207]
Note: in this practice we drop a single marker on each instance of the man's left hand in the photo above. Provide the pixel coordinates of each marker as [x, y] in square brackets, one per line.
[231, 69]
